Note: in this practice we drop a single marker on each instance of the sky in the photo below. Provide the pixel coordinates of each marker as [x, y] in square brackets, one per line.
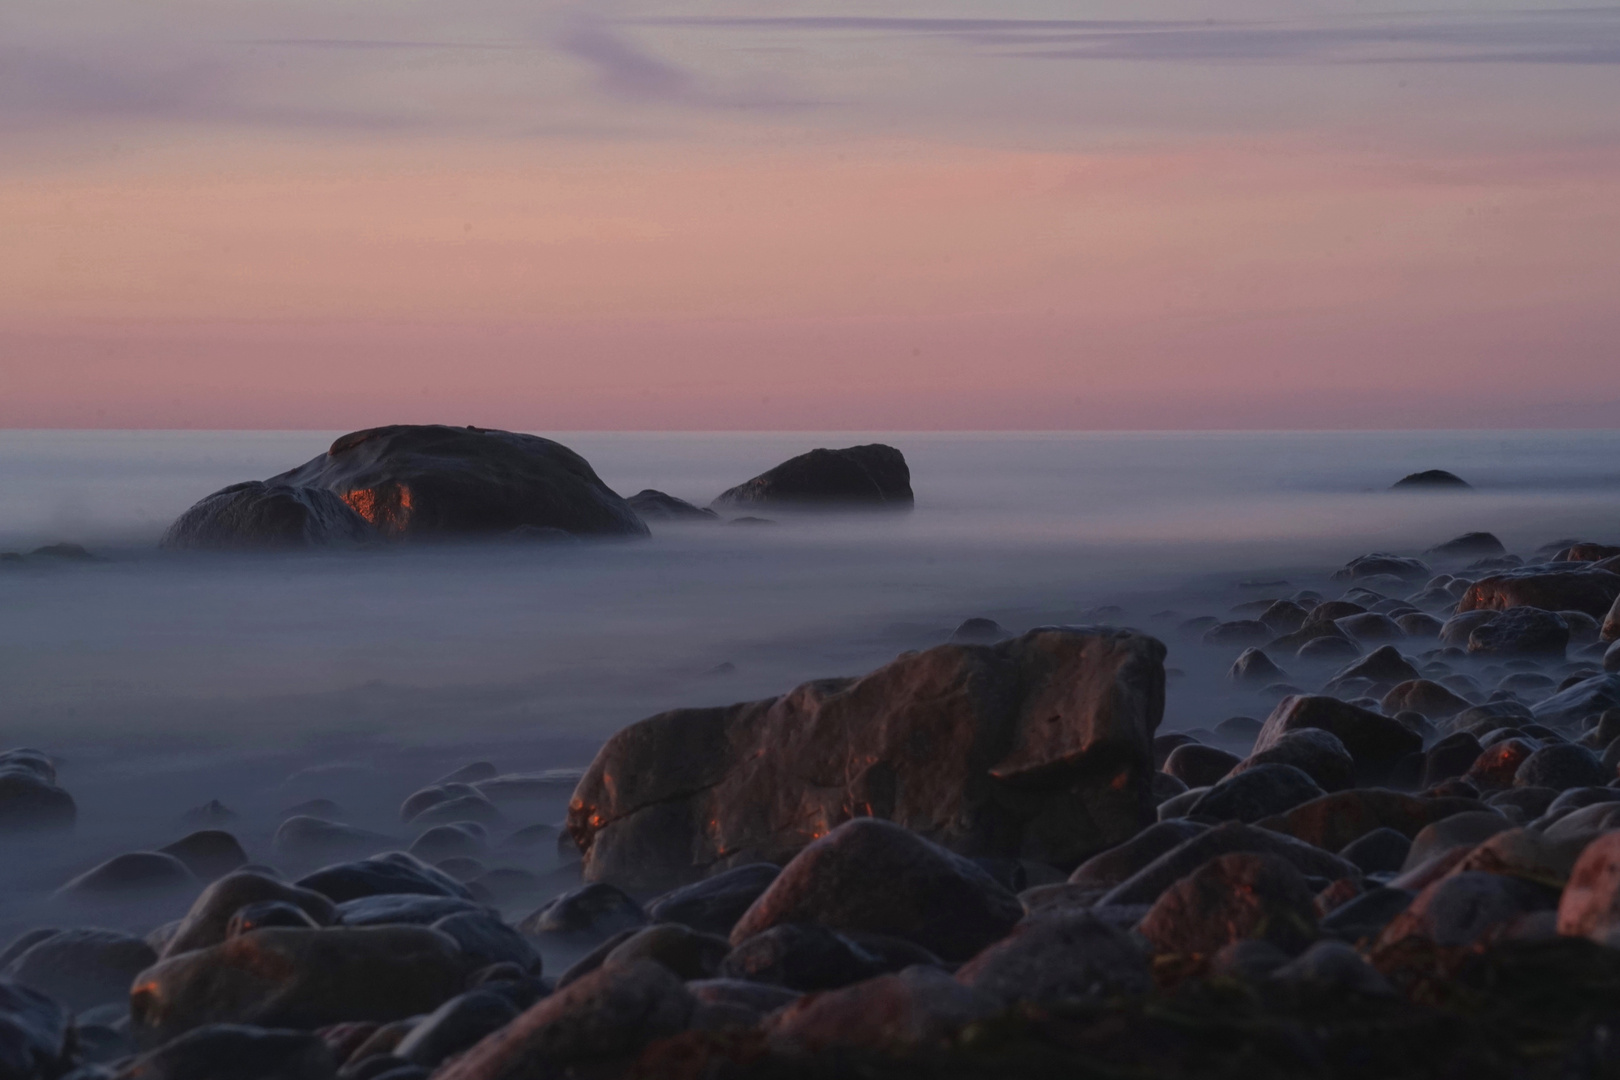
[809, 214]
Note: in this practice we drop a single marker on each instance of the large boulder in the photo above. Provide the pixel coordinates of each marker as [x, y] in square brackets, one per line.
[414, 482]
[1317, 753]
[1585, 698]
[1231, 898]
[1521, 631]
[1432, 478]
[874, 877]
[1037, 747]
[1376, 743]
[210, 915]
[82, 968]
[256, 514]
[1551, 587]
[653, 505]
[873, 475]
[298, 979]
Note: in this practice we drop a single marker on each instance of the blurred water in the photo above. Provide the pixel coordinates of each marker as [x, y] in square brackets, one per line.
[163, 680]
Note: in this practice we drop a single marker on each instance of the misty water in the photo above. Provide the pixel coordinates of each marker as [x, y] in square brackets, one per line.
[162, 680]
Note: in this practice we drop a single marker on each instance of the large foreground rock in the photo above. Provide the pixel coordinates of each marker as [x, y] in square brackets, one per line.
[873, 475]
[1376, 743]
[1037, 747]
[1555, 587]
[414, 482]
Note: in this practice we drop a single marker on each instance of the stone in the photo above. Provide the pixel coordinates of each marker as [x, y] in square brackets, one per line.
[872, 475]
[1430, 479]
[1550, 587]
[891, 1014]
[1521, 631]
[81, 968]
[1238, 729]
[1366, 916]
[800, 956]
[1560, 766]
[30, 801]
[1262, 791]
[1147, 884]
[268, 913]
[132, 872]
[1375, 742]
[1451, 756]
[484, 940]
[1611, 627]
[298, 979]
[394, 872]
[470, 773]
[1283, 616]
[1336, 966]
[405, 909]
[688, 953]
[1325, 616]
[1418, 624]
[714, 904]
[1378, 564]
[1382, 851]
[653, 505]
[873, 876]
[1331, 648]
[594, 1027]
[1229, 898]
[1583, 628]
[238, 1051]
[1038, 747]
[592, 912]
[1317, 753]
[1382, 665]
[1429, 699]
[1197, 765]
[1107, 869]
[1527, 854]
[1611, 658]
[1568, 707]
[1068, 956]
[1474, 545]
[1498, 764]
[455, 1026]
[462, 808]
[1165, 745]
[210, 915]
[1459, 830]
[1590, 904]
[259, 514]
[1238, 632]
[1583, 825]
[1333, 821]
[979, 631]
[1459, 628]
[1460, 909]
[308, 839]
[1254, 667]
[208, 853]
[1371, 626]
[465, 839]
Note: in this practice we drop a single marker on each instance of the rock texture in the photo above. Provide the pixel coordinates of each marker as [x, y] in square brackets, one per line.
[1038, 747]
[873, 475]
[257, 514]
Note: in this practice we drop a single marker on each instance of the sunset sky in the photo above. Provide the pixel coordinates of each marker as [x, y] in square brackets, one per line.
[951, 214]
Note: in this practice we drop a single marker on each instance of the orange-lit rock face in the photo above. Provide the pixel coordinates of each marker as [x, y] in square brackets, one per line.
[387, 507]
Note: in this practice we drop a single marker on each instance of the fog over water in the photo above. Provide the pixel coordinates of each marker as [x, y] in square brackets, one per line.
[162, 680]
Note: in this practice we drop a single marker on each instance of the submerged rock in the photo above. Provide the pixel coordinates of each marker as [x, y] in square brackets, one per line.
[1474, 545]
[1375, 743]
[1431, 478]
[1230, 898]
[1038, 747]
[1552, 587]
[653, 505]
[873, 475]
[256, 514]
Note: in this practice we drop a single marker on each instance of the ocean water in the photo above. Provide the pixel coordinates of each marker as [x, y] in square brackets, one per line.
[162, 680]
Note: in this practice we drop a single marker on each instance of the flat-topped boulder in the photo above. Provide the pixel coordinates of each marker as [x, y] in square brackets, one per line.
[414, 482]
[1037, 747]
[869, 476]
[1550, 586]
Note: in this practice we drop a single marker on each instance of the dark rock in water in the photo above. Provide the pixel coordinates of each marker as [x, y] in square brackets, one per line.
[1460, 909]
[1365, 917]
[1424, 697]
[1451, 756]
[1147, 884]
[320, 808]
[872, 876]
[484, 940]
[1432, 478]
[1165, 745]
[1594, 695]
[1117, 864]
[1590, 905]
[1254, 666]
[470, 773]
[1561, 766]
[36, 1035]
[1375, 742]
[1324, 615]
[605, 1017]
[208, 853]
[873, 475]
[267, 515]
[81, 968]
[1333, 821]
[471, 807]
[1611, 625]
[1498, 764]
[1258, 792]
[1378, 852]
[1521, 631]
[238, 1051]
[405, 909]
[1550, 587]
[1197, 765]
[1382, 665]
[800, 956]
[454, 1026]
[1370, 626]
[308, 839]
[1284, 616]
[1242, 895]
[1238, 729]
[1334, 966]
[1038, 747]
[1611, 658]
[465, 840]
[395, 872]
[1317, 753]
[29, 797]
[894, 1015]
[979, 631]
[1379, 563]
[416, 482]
[1238, 632]
[595, 912]
[267, 913]
[1458, 830]
[654, 505]
[1062, 957]
[687, 952]
[25, 941]
[209, 815]
[715, 904]
[1474, 545]
[1328, 648]
[1459, 628]
[298, 979]
[133, 872]
[208, 921]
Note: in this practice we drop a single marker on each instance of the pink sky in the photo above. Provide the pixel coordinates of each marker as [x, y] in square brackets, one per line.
[684, 238]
